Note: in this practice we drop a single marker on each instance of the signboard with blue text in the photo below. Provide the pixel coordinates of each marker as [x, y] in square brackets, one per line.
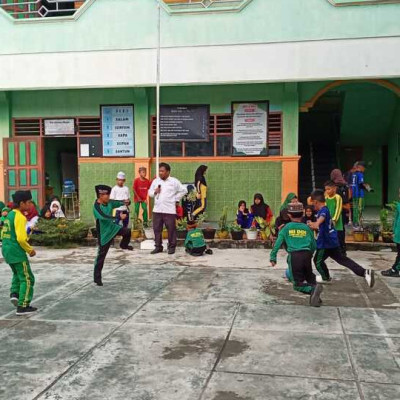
[118, 130]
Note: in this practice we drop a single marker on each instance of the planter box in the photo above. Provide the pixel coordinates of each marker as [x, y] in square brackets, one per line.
[237, 235]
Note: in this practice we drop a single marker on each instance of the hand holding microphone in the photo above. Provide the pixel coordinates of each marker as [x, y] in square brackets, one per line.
[158, 191]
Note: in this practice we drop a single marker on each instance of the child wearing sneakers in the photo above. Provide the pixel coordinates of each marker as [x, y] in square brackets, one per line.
[15, 249]
[328, 244]
[300, 242]
[395, 270]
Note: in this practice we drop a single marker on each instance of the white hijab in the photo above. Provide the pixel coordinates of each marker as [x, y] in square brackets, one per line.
[59, 213]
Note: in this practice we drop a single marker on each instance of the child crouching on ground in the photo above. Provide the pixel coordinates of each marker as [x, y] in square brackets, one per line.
[195, 243]
[301, 245]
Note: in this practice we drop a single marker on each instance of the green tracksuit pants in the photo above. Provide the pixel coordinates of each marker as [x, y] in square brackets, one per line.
[358, 208]
[22, 282]
[144, 208]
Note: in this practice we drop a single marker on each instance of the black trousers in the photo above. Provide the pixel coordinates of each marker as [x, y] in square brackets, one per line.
[103, 250]
[342, 240]
[300, 267]
[197, 251]
[169, 220]
[336, 254]
[396, 265]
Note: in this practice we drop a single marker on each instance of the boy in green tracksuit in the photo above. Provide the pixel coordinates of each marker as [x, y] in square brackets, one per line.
[195, 243]
[395, 270]
[300, 242]
[106, 228]
[15, 249]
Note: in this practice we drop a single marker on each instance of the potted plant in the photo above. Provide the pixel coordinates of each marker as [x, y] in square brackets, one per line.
[181, 228]
[165, 233]
[267, 229]
[372, 232]
[208, 231]
[358, 234]
[223, 231]
[236, 231]
[386, 218]
[251, 233]
[137, 227]
[148, 229]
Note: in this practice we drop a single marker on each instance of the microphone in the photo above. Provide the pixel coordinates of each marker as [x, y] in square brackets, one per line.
[158, 194]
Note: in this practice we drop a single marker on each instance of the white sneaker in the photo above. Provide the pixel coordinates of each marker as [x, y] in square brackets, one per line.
[370, 277]
[320, 280]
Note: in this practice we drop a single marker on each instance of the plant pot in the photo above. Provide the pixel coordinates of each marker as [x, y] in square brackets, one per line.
[135, 234]
[149, 233]
[165, 234]
[263, 235]
[251, 234]
[94, 232]
[358, 236]
[209, 233]
[180, 234]
[222, 234]
[387, 237]
[237, 235]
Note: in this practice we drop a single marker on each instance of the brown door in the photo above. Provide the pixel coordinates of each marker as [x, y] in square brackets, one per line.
[349, 156]
[24, 167]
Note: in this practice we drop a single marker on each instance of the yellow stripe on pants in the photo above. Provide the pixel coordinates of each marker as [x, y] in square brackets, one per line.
[28, 284]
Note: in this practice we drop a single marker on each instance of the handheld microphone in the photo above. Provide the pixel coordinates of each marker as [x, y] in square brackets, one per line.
[158, 194]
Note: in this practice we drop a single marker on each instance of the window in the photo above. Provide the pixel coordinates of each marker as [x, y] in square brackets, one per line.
[29, 9]
[188, 6]
[220, 144]
[341, 3]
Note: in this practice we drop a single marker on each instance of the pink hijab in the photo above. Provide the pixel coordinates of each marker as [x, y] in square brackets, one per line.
[337, 177]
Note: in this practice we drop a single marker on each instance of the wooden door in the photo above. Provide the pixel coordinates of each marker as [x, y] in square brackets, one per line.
[24, 167]
[349, 156]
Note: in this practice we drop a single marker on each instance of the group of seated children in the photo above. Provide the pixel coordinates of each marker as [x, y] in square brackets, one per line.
[247, 218]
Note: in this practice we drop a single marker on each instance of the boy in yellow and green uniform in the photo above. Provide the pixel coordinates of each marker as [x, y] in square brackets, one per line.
[300, 242]
[15, 249]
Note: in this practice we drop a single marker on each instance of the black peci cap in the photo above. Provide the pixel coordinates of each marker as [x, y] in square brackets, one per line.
[21, 195]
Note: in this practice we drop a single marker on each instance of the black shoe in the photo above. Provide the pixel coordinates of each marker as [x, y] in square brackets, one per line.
[209, 251]
[14, 299]
[98, 283]
[157, 250]
[171, 251]
[315, 296]
[391, 272]
[127, 248]
[25, 310]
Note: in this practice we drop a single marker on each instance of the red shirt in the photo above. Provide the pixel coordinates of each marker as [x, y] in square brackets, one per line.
[141, 189]
[179, 212]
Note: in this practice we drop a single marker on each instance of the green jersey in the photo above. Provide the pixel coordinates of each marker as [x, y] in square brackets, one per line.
[297, 236]
[15, 239]
[106, 227]
[194, 239]
[335, 207]
[396, 224]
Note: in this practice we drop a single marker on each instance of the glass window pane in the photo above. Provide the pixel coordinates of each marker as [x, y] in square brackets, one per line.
[12, 177]
[35, 196]
[224, 145]
[22, 153]
[34, 177]
[200, 149]
[11, 154]
[33, 153]
[171, 149]
[22, 177]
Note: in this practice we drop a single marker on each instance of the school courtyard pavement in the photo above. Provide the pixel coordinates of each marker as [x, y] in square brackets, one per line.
[221, 327]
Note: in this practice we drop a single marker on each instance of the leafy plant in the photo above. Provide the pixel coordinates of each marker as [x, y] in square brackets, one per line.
[137, 224]
[59, 233]
[235, 227]
[148, 224]
[201, 219]
[181, 224]
[267, 227]
[192, 195]
[386, 216]
[223, 220]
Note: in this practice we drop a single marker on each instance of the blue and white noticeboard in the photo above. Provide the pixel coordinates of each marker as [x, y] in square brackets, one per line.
[118, 128]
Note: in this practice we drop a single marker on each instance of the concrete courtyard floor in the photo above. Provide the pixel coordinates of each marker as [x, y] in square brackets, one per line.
[221, 327]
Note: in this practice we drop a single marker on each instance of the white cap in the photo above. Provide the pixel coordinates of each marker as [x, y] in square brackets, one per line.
[121, 175]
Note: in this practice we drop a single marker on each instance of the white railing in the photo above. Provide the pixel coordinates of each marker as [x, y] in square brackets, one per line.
[22, 9]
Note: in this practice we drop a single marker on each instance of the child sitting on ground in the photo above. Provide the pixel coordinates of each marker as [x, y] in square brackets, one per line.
[243, 217]
[195, 243]
[261, 209]
[46, 213]
[56, 210]
[301, 245]
[309, 215]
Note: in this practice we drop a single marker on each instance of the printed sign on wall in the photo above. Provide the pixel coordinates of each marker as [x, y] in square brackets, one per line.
[59, 127]
[118, 130]
[250, 128]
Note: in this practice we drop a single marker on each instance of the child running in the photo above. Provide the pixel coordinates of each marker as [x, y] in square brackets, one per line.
[195, 244]
[328, 244]
[395, 270]
[15, 249]
[141, 186]
[106, 228]
[300, 242]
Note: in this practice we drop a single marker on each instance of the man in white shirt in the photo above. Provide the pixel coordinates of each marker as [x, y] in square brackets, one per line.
[121, 192]
[166, 191]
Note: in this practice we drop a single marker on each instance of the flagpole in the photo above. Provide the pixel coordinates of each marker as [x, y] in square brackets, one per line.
[158, 84]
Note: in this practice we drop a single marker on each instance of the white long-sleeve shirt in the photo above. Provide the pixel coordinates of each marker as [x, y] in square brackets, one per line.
[171, 192]
[121, 194]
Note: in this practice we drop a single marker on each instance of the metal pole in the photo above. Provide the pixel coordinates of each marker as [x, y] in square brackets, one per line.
[158, 85]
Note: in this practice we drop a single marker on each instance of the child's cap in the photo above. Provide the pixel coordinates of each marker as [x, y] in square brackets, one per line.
[295, 208]
[121, 175]
[21, 196]
[102, 189]
[7, 209]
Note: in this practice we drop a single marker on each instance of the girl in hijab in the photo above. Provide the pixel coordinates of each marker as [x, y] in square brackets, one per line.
[56, 211]
[261, 209]
[290, 198]
[201, 187]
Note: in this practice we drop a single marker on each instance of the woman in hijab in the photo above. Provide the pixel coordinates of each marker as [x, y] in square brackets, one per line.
[56, 210]
[290, 198]
[201, 187]
[261, 209]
